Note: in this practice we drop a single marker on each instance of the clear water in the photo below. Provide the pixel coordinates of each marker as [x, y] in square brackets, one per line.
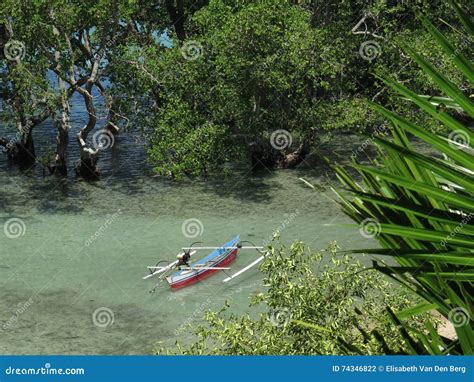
[86, 247]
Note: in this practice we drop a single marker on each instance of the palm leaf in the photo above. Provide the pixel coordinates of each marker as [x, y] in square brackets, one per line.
[423, 207]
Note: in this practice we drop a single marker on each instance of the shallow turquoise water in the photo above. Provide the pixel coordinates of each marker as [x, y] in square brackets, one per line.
[85, 248]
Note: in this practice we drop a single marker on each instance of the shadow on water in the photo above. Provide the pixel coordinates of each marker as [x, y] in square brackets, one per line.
[241, 185]
[125, 171]
[126, 174]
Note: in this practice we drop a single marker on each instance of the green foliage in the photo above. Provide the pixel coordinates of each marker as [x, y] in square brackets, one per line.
[60, 42]
[313, 300]
[186, 146]
[260, 66]
[236, 71]
[421, 207]
[254, 64]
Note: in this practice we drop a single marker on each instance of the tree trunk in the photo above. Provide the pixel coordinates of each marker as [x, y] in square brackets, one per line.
[264, 156]
[21, 151]
[177, 16]
[113, 117]
[87, 166]
[293, 159]
[58, 166]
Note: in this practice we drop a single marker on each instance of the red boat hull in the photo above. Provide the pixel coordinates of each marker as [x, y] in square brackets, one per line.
[204, 275]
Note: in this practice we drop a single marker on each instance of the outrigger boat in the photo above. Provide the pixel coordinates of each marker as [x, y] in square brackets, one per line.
[188, 274]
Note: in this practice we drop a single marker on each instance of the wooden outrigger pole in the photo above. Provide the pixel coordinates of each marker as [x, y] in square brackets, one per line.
[244, 269]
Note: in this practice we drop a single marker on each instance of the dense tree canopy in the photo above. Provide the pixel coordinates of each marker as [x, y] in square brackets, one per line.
[261, 80]
[54, 49]
[207, 82]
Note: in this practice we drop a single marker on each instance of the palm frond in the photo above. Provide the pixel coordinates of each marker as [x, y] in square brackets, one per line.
[421, 208]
